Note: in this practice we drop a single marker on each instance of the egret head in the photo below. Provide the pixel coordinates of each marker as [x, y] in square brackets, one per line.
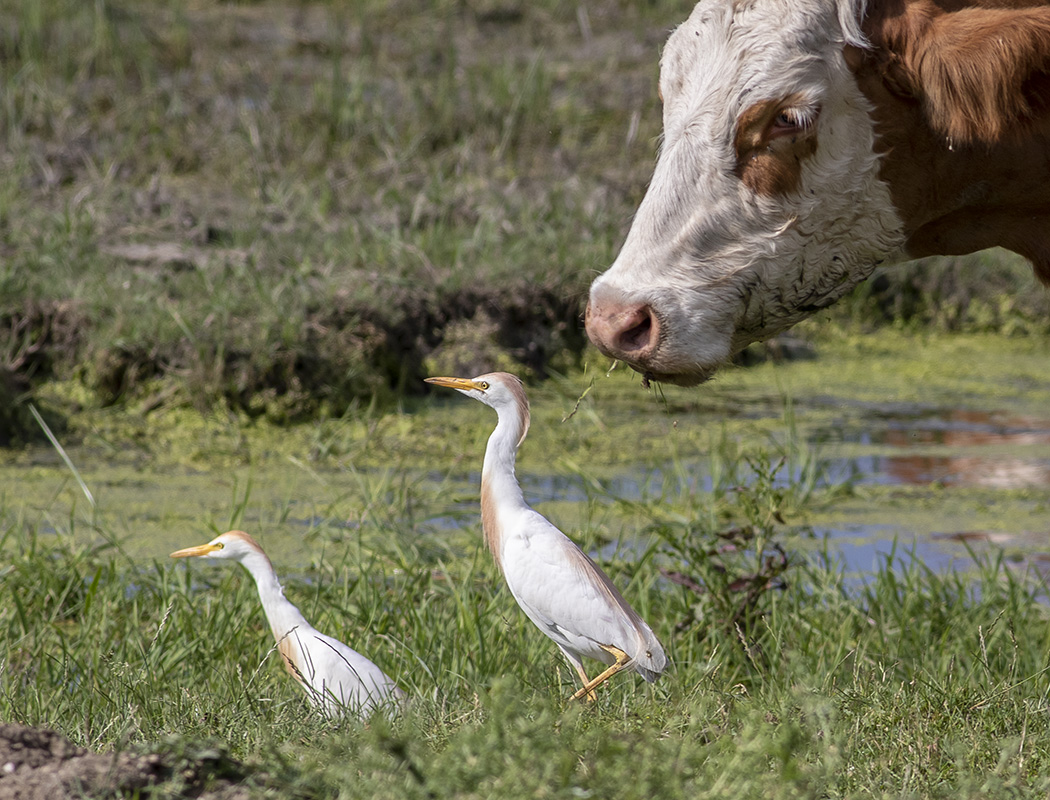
[236, 545]
[499, 390]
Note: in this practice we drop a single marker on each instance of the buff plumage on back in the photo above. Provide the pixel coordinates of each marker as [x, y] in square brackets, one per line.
[649, 658]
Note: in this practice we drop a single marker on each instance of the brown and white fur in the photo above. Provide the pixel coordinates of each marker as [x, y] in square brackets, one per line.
[807, 142]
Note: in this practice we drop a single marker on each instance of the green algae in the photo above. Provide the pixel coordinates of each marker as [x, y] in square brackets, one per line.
[171, 476]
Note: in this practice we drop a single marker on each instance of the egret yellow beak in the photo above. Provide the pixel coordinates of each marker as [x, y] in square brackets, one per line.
[199, 550]
[465, 384]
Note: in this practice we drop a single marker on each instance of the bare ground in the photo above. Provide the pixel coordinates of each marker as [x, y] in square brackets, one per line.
[41, 764]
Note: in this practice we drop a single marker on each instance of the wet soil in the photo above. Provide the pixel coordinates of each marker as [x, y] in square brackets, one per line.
[41, 764]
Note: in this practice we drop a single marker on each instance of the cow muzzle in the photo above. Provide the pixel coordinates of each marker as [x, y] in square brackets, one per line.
[633, 332]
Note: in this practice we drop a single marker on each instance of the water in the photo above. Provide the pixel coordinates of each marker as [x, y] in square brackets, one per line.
[938, 461]
[936, 454]
[952, 447]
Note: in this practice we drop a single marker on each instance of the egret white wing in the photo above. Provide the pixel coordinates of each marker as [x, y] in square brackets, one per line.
[572, 600]
[337, 675]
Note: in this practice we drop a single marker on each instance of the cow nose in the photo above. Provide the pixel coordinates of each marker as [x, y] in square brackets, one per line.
[626, 331]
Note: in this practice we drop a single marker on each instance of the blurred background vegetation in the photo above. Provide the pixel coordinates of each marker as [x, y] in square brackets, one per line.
[283, 208]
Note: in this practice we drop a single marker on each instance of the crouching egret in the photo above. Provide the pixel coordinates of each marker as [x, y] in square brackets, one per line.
[335, 677]
[556, 584]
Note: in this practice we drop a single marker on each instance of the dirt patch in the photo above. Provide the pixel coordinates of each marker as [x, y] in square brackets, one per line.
[41, 764]
[33, 337]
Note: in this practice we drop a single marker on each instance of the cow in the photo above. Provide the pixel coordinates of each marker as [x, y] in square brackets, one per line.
[807, 142]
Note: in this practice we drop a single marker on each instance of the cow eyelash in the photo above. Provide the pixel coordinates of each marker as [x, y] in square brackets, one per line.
[797, 118]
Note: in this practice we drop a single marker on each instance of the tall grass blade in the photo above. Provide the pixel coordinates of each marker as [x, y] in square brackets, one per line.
[62, 453]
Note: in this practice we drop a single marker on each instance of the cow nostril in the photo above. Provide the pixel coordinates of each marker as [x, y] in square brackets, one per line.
[637, 335]
[627, 331]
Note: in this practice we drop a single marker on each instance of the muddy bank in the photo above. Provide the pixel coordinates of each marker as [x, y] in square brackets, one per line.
[334, 356]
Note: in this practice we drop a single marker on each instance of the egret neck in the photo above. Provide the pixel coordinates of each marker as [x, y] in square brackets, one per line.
[283, 617]
[500, 493]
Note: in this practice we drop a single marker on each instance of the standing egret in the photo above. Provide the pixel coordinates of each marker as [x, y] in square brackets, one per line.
[556, 584]
[335, 677]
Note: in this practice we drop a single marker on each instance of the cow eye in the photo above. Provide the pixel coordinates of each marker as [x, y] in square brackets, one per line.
[796, 117]
[793, 120]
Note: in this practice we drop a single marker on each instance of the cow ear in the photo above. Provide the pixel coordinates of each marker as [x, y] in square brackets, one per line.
[980, 73]
[882, 66]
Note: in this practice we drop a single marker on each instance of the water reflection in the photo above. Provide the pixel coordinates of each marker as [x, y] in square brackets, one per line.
[882, 446]
[920, 446]
[968, 431]
[868, 548]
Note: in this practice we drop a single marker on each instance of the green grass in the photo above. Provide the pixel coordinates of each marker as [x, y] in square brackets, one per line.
[909, 684]
[283, 209]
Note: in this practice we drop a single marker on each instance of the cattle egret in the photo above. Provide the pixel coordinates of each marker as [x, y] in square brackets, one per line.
[556, 584]
[335, 677]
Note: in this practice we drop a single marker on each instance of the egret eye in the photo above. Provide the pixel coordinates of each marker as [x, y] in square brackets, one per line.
[220, 545]
[483, 385]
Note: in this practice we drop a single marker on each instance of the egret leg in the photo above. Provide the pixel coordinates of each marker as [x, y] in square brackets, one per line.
[591, 696]
[589, 686]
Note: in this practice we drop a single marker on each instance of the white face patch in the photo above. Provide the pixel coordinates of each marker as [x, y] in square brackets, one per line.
[765, 205]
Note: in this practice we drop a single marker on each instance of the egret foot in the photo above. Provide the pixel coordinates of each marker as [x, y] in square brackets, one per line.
[622, 660]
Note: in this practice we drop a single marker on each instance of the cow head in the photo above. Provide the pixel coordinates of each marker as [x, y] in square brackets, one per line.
[765, 204]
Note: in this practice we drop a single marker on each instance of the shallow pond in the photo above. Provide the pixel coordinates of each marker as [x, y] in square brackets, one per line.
[943, 440]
